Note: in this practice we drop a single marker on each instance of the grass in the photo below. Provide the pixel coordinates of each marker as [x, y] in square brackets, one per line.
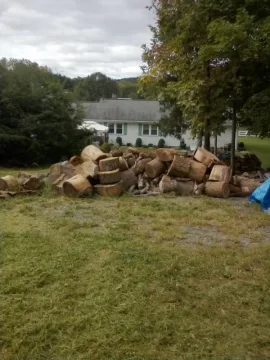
[134, 279]
[260, 147]
[15, 171]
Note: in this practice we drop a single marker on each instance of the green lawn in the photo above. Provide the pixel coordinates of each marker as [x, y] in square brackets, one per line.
[260, 147]
[164, 278]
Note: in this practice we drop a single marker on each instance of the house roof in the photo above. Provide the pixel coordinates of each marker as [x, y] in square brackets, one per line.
[123, 110]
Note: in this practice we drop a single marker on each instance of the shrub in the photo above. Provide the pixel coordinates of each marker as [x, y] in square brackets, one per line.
[150, 145]
[241, 146]
[161, 143]
[183, 145]
[129, 144]
[119, 141]
[146, 146]
[138, 142]
[105, 147]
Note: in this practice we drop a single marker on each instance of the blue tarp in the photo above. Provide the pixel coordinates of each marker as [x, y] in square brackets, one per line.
[262, 195]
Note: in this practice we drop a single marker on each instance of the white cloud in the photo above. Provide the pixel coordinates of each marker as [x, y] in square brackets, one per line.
[77, 37]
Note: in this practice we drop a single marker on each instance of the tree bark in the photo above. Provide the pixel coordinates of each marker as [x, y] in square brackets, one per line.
[109, 190]
[109, 177]
[221, 173]
[128, 178]
[234, 122]
[179, 167]
[91, 152]
[215, 145]
[117, 153]
[217, 189]
[168, 184]
[165, 155]
[109, 164]
[77, 186]
[75, 160]
[9, 183]
[154, 168]
[197, 171]
[131, 161]
[123, 165]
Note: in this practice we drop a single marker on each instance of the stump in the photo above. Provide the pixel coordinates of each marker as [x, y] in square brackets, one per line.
[91, 152]
[221, 173]
[168, 184]
[140, 166]
[109, 190]
[165, 155]
[205, 157]
[109, 164]
[197, 171]
[76, 160]
[217, 189]
[109, 177]
[129, 178]
[179, 167]
[77, 186]
[154, 168]
[123, 165]
[9, 183]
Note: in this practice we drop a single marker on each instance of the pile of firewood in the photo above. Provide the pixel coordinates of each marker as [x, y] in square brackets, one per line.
[244, 161]
[139, 173]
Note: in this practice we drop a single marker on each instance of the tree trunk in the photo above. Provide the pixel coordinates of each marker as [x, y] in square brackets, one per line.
[207, 136]
[168, 184]
[140, 166]
[154, 168]
[110, 190]
[215, 146]
[197, 171]
[9, 183]
[206, 157]
[123, 165]
[200, 139]
[217, 189]
[109, 164]
[109, 177]
[77, 186]
[234, 122]
[221, 173]
[91, 152]
[165, 155]
[179, 167]
[128, 178]
[75, 160]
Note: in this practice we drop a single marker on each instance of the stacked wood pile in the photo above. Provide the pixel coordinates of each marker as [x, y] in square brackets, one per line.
[244, 162]
[139, 173]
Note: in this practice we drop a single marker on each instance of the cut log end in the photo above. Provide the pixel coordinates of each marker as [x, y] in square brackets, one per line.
[110, 190]
[77, 186]
[109, 177]
[109, 164]
[217, 189]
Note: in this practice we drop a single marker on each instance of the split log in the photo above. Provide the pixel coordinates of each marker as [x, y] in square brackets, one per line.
[110, 190]
[179, 167]
[117, 153]
[133, 151]
[221, 173]
[64, 167]
[77, 186]
[109, 164]
[123, 165]
[91, 152]
[9, 183]
[205, 157]
[199, 189]
[154, 168]
[197, 171]
[217, 189]
[128, 178]
[76, 160]
[109, 177]
[168, 184]
[165, 155]
[131, 161]
[140, 166]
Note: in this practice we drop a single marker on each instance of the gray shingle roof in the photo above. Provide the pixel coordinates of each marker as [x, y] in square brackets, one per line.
[123, 110]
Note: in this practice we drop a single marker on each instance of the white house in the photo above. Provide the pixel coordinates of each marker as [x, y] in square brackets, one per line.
[132, 119]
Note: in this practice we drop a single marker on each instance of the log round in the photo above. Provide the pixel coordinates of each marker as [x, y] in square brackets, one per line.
[133, 151]
[88, 169]
[217, 189]
[57, 185]
[221, 173]
[131, 161]
[197, 171]
[140, 166]
[91, 152]
[117, 153]
[109, 164]
[205, 157]
[165, 155]
[109, 190]
[168, 184]
[129, 178]
[123, 165]
[33, 183]
[77, 186]
[76, 160]
[109, 177]
[9, 183]
[154, 168]
[179, 167]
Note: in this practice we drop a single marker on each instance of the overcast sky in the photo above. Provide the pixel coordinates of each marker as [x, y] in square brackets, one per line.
[77, 37]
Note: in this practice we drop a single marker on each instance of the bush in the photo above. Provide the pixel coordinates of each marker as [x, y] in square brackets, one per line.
[138, 142]
[129, 144]
[119, 141]
[161, 143]
[105, 147]
[241, 146]
[145, 146]
[183, 145]
[150, 145]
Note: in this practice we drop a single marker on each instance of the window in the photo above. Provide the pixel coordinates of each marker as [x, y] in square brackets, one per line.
[111, 128]
[154, 130]
[119, 129]
[146, 129]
